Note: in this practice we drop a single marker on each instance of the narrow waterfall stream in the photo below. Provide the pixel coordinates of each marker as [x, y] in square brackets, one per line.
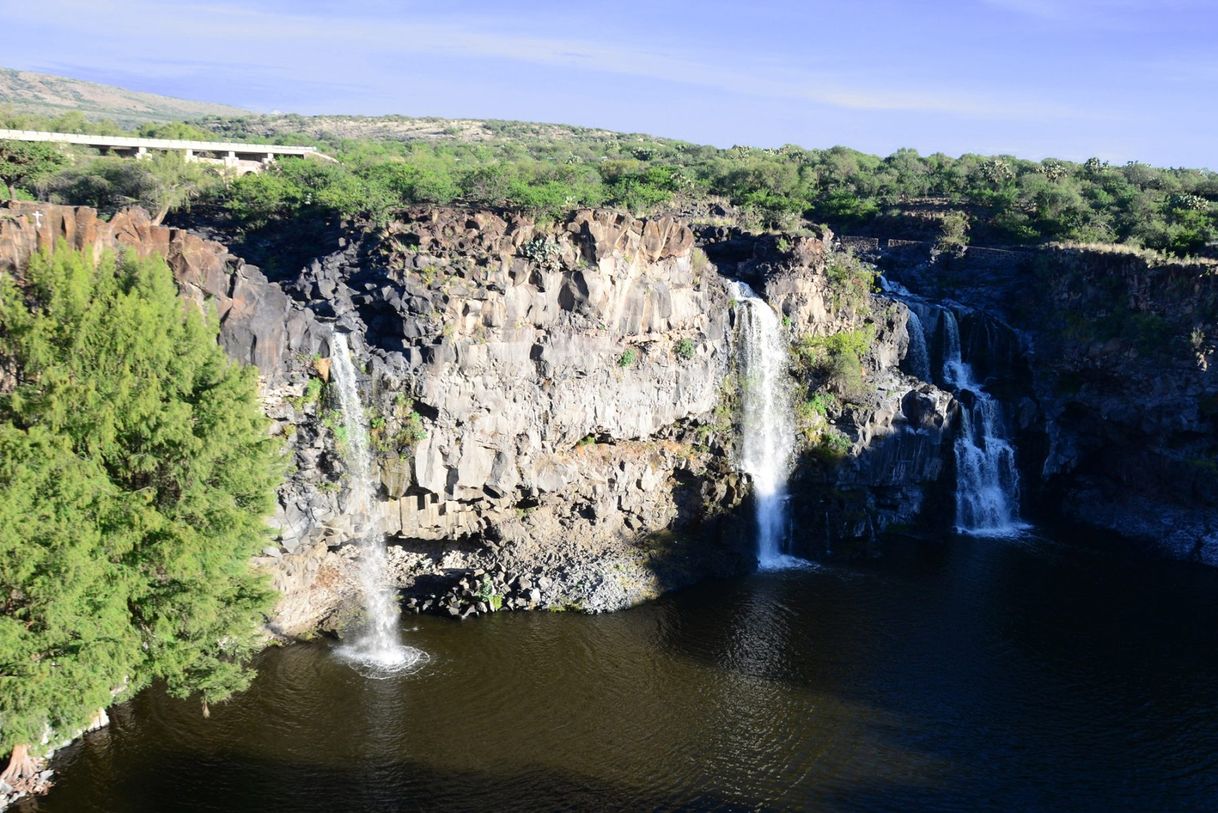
[378, 650]
[768, 424]
[918, 357]
[987, 481]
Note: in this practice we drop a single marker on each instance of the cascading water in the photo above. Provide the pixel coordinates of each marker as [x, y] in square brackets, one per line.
[987, 481]
[918, 357]
[378, 650]
[768, 424]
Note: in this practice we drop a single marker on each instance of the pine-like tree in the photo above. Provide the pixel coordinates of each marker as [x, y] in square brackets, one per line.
[66, 639]
[135, 478]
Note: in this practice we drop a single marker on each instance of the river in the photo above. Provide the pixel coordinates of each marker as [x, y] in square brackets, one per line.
[1052, 672]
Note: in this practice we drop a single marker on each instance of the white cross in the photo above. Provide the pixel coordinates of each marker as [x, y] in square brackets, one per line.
[37, 219]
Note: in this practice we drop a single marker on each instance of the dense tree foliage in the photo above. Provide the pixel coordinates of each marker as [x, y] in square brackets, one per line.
[23, 163]
[135, 475]
[550, 169]
[995, 199]
[160, 183]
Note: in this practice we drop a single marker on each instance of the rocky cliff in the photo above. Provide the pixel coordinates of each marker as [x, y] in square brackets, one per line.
[875, 445]
[550, 404]
[1119, 423]
[534, 393]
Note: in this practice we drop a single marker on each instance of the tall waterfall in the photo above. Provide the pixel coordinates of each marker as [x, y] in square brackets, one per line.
[987, 481]
[768, 424]
[378, 649]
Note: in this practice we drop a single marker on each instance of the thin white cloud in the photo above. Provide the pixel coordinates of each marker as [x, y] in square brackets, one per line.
[330, 48]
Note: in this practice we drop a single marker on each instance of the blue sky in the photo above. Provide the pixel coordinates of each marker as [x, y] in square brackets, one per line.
[1121, 79]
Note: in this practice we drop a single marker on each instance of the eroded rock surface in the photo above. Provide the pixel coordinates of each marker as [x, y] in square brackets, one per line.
[550, 401]
[1119, 350]
[892, 465]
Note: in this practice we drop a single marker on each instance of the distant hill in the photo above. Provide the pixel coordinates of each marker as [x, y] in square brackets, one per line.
[45, 95]
[409, 128]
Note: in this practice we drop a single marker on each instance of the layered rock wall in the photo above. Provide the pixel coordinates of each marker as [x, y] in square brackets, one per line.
[1118, 349]
[544, 399]
[893, 468]
[557, 373]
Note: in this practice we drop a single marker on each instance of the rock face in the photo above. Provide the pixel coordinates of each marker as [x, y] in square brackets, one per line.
[1117, 400]
[547, 402]
[894, 465]
[1134, 398]
[530, 407]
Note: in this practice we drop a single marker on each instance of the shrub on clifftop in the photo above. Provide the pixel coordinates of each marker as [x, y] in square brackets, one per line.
[135, 475]
[22, 163]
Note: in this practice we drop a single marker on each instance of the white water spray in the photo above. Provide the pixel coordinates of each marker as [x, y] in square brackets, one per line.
[768, 424]
[987, 481]
[378, 651]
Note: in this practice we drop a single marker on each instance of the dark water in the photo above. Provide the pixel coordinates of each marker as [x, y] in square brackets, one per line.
[961, 675]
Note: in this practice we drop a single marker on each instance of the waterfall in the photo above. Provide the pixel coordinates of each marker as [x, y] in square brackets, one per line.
[987, 481]
[768, 423]
[918, 356]
[378, 649]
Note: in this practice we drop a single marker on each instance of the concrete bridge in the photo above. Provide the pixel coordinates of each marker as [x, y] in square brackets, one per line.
[233, 155]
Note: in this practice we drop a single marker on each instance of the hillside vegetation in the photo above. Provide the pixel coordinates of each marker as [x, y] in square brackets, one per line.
[386, 163]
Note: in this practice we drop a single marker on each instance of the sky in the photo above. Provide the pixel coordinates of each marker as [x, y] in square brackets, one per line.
[1118, 79]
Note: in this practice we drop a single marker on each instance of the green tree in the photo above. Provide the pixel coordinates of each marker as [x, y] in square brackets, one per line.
[107, 184]
[66, 640]
[258, 198]
[176, 182]
[164, 182]
[953, 234]
[23, 163]
[135, 475]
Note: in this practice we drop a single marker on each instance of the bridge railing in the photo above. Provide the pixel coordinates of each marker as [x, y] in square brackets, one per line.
[136, 143]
